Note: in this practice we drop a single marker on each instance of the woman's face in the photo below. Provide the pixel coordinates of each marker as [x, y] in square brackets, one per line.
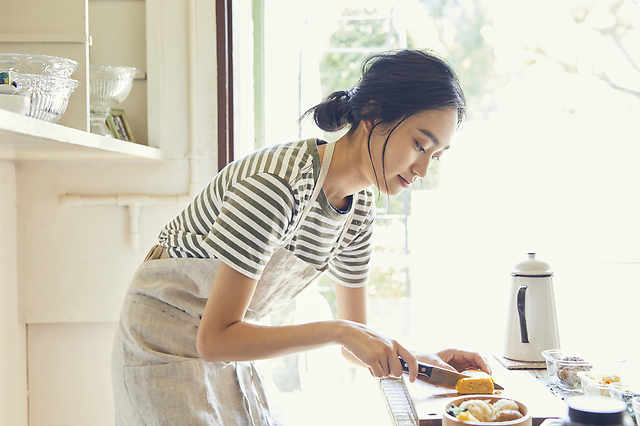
[413, 145]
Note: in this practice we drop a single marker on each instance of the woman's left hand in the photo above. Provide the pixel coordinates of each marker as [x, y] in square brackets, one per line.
[456, 360]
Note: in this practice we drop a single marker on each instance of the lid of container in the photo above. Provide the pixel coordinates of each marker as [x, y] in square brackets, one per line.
[532, 267]
[596, 410]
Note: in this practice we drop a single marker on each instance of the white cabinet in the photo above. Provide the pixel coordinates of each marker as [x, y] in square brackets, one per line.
[65, 269]
[106, 32]
[27, 139]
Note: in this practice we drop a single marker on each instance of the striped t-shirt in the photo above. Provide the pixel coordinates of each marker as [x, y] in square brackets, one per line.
[254, 204]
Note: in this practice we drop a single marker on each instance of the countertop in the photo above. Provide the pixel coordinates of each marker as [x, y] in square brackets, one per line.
[531, 387]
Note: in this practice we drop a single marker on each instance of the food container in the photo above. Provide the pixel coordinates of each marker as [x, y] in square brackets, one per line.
[563, 368]
[49, 94]
[449, 420]
[626, 393]
[593, 410]
[594, 383]
[37, 64]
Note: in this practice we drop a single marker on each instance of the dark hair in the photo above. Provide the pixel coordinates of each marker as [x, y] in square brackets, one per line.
[393, 87]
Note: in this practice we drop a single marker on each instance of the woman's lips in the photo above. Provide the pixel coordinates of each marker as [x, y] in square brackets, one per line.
[405, 183]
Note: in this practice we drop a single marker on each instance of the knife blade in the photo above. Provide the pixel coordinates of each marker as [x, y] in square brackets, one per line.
[440, 376]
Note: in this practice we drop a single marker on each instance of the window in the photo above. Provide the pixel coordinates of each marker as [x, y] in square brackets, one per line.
[546, 162]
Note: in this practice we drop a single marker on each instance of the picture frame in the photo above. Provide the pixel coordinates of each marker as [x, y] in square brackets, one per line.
[118, 124]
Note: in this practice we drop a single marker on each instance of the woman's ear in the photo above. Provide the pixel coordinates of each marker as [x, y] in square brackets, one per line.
[368, 125]
[371, 110]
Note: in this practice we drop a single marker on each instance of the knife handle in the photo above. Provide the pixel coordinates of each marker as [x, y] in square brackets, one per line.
[422, 368]
[405, 366]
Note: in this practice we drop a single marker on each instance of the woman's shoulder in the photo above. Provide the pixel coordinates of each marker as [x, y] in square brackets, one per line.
[289, 160]
[365, 207]
[365, 199]
[287, 169]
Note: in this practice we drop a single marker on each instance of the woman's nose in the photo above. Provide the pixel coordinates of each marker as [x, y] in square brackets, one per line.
[421, 168]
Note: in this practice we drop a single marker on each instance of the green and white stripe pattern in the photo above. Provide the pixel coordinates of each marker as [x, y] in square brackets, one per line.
[254, 204]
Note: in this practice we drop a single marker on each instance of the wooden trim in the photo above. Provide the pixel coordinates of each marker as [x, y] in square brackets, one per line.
[224, 54]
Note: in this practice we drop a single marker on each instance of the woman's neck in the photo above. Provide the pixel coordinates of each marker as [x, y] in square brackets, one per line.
[347, 174]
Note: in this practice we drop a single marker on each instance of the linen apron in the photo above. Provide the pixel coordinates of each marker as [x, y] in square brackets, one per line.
[159, 377]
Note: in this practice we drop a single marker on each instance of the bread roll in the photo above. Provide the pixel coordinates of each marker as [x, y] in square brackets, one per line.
[506, 415]
[479, 409]
[504, 404]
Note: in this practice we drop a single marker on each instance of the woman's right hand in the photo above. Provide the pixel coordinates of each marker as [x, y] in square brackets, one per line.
[379, 353]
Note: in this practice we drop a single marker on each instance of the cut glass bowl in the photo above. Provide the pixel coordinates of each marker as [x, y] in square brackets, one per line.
[49, 94]
[37, 64]
[108, 85]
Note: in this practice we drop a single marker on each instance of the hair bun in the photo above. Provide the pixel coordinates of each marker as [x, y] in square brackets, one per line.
[334, 113]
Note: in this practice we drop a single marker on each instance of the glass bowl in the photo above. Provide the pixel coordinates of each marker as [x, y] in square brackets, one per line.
[49, 94]
[108, 85]
[626, 392]
[599, 384]
[563, 368]
[37, 64]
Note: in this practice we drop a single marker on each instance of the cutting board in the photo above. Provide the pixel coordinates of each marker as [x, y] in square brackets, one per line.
[430, 400]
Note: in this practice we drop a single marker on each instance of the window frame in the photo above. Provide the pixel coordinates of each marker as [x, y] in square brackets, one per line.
[224, 56]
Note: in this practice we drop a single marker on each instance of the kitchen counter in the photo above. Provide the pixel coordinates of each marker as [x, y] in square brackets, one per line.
[531, 387]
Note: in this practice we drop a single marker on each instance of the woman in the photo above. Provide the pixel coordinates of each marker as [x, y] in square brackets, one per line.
[262, 230]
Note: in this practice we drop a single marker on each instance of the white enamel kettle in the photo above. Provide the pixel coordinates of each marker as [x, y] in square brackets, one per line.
[532, 325]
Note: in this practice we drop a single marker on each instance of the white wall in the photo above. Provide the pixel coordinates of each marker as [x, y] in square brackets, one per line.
[13, 344]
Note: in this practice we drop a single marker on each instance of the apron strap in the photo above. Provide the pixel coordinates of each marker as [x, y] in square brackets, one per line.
[324, 168]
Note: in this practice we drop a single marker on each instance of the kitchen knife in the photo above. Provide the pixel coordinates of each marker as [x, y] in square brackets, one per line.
[440, 376]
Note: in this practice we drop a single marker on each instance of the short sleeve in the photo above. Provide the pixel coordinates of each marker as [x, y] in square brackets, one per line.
[254, 217]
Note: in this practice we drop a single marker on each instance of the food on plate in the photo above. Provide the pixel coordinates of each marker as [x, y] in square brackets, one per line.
[568, 373]
[503, 405]
[477, 410]
[477, 382]
[466, 416]
[605, 379]
[597, 383]
[506, 416]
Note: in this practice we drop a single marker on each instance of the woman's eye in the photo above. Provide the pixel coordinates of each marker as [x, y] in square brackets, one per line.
[419, 147]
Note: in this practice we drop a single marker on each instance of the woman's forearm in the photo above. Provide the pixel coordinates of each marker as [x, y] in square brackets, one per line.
[223, 335]
[244, 341]
[352, 306]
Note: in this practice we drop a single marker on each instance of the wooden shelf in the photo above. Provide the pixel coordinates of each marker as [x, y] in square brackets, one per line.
[27, 139]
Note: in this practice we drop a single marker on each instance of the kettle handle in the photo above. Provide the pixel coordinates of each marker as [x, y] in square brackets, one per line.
[524, 335]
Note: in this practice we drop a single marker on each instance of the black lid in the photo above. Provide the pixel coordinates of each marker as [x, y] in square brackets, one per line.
[595, 410]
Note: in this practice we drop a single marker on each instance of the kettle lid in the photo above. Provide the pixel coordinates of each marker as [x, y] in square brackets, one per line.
[532, 267]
